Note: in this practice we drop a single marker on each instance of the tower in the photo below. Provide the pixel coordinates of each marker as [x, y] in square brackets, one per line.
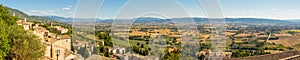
[268, 37]
[14, 14]
[25, 19]
[51, 24]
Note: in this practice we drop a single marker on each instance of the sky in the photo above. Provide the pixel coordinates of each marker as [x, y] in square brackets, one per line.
[64, 8]
[272, 9]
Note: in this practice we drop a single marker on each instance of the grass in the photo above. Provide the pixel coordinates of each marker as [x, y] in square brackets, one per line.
[119, 42]
[297, 47]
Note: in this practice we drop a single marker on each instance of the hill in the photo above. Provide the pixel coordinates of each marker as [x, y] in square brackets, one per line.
[22, 15]
[60, 19]
[295, 20]
[205, 20]
[18, 13]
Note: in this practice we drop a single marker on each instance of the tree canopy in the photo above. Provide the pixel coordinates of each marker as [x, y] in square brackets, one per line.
[16, 43]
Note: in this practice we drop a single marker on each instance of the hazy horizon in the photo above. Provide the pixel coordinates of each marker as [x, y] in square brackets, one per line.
[278, 9]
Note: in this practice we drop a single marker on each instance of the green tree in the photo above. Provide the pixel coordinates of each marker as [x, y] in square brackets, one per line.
[5, 46]
[5, 21]
[25, 46]
[103, 48]
[15, 42]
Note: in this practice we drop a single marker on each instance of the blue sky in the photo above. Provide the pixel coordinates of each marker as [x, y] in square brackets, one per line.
[63, 8]
[273, 9]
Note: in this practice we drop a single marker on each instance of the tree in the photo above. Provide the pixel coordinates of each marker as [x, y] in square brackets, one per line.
[201, 57]
[15, 42]
[103, 48]
[142, 46]
[5, 21]
[5, 46]
[25, 46]
[106, 53]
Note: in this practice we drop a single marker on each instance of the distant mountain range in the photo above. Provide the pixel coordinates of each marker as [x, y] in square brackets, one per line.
[20, 14]
[295, 21]
[60, 19]
[199, 20]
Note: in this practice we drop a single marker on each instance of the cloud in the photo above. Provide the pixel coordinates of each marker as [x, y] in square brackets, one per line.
[62, 12]
[40, 12]
[67, 8]
[290, 10]
[34, 11]
[281, 14]
[51, 13]
[267, 13]
[274, 9]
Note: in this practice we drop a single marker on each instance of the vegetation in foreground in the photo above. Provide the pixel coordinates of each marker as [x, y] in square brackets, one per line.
[16, 43]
